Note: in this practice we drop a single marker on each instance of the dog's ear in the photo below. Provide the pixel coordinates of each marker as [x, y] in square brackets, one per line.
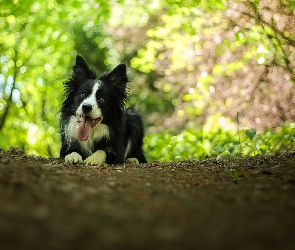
[117, 80]
[118, 77]
[81, 71]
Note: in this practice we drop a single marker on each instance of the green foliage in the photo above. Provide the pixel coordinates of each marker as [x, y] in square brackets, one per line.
[196, 145]
[37, 45]
[181, 52]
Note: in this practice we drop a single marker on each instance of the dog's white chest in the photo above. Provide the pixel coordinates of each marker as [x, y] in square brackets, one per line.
[98, 132]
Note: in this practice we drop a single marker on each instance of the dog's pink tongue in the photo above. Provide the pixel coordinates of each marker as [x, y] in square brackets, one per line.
[84, 129]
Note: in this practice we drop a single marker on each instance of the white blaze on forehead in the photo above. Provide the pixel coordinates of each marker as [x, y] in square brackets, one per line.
[91, 100]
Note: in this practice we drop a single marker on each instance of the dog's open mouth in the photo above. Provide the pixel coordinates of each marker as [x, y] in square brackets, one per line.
[85, 125]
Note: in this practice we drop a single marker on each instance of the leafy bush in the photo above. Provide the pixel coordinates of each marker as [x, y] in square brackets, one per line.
[197, 145]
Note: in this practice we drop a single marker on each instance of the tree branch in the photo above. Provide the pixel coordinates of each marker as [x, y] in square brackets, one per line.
[15, 75]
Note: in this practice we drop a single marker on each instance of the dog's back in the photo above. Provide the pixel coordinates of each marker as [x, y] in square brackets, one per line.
[134, 136]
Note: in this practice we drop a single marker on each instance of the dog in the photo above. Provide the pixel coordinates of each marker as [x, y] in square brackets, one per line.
[94, 126]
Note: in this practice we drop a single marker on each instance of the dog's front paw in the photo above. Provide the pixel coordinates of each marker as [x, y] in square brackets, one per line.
[97, 158]
[132, 161]
[73, 158]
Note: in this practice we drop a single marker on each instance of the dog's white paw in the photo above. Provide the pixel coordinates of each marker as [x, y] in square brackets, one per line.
[132, 161]
[73, 158]
[97, 158]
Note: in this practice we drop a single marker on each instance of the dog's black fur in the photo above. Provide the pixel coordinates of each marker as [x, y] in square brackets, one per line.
[93, 118]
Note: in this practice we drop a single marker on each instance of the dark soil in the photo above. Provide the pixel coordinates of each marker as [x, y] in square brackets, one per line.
[226, 204]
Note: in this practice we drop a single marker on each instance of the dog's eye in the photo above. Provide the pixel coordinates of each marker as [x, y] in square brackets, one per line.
[101, 100]
[82, 96]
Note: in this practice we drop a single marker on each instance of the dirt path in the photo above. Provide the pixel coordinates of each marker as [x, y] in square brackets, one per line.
[225, 204]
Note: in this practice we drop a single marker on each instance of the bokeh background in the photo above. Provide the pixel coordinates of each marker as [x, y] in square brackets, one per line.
[212, 78]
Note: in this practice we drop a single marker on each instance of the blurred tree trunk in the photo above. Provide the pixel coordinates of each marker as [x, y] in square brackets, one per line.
[15, 74]
[9, 98]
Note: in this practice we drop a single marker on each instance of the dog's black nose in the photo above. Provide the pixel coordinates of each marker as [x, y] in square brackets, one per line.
[86, 108]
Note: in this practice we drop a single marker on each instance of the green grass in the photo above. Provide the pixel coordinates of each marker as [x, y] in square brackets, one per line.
[196, 145]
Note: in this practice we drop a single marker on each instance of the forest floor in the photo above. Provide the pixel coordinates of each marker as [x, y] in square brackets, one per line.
[236, 203]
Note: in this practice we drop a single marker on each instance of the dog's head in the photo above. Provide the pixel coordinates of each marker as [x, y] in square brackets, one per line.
[95, 101]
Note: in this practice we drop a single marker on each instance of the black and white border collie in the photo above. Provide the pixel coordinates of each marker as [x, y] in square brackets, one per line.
[94, 126]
